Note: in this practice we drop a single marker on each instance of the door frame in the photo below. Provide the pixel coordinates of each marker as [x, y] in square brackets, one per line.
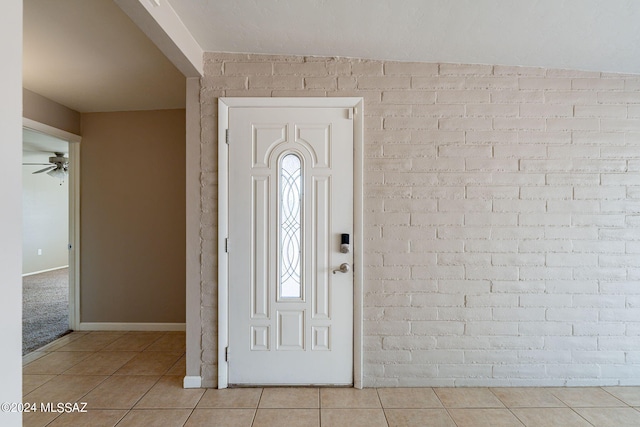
[74, 212]
[224, 104]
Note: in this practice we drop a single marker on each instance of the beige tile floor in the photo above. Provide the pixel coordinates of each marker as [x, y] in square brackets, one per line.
[135, 379]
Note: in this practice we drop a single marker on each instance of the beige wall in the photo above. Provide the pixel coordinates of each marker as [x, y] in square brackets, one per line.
[43, 110]
[501, 217]
[133, 217]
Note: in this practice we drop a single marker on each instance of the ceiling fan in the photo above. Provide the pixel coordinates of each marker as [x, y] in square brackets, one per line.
[57, 167]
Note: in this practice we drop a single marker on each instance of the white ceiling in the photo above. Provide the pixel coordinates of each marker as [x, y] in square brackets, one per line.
[600, 35]
[36, 142]
[89, 56]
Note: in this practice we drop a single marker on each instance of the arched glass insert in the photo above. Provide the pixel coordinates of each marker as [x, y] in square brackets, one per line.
[290, 227]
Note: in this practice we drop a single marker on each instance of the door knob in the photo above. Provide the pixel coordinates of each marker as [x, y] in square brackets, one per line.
[344, 268]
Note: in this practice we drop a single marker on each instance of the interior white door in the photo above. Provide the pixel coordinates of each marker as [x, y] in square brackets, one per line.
[290, 202]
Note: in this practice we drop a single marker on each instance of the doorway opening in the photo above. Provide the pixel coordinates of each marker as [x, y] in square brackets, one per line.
[50, 233]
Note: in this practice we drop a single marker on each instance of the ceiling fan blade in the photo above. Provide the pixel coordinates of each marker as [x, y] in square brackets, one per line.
[35, 164]
[46, 169]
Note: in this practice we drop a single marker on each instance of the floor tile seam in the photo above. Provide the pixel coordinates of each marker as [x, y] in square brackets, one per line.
[94, 387]
[474, 407]
[559, 398]
[199, 399]
[140, 353]
[255, 411]
[403, 408]
[255, 414]
[82, 396]
[118, 422]
[51, 379]
[580, 415]
[181, 351]
[522, 423]
[384, 413]
[147, 392]
[450, 416]
[60, 373]
[105, 344]
[296, 407]
[380, 403]
[177, 361]
[50, 347]
[54, 418]
[190, 414]
[354, 407]
[27, 363]
[567, 407]
[343, 409]
[517, 418]
[112, 373]
[169, 368]
[54, 375]
[154, 341]
[437, 397]
[497, 397]
[443, 409]
[122, 417]
[137, 350]
[116, 371]
[624, 405]
[160, 409]
[614, 396]
[575, 406]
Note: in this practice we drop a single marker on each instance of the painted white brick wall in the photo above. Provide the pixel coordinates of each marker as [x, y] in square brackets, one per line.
[502, 217]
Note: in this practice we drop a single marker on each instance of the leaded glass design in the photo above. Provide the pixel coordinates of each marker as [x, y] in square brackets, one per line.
[290, 227]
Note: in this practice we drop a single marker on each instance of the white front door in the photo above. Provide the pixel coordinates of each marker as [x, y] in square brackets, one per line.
[290, 203]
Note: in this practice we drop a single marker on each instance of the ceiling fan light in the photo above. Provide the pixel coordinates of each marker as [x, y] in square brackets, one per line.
[59, 173]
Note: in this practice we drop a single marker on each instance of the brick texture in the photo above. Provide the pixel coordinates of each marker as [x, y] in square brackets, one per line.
[502, 224]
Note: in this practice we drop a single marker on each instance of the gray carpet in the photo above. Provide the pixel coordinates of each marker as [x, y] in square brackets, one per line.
[45, 308]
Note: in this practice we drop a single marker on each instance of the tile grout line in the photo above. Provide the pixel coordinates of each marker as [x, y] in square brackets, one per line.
[445, 408]
[516, 417]
[614, 396]
[194, 406]
[384, 413]
[580, 415]
[320, 407]
[508, 408]
[255, 412]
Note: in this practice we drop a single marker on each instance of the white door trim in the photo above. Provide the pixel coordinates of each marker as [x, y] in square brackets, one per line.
[74, 213]
[223, 219]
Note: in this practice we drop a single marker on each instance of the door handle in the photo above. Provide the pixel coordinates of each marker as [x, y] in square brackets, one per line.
[344, 268]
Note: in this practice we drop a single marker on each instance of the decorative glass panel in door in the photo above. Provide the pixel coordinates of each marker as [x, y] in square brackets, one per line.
[290, 227]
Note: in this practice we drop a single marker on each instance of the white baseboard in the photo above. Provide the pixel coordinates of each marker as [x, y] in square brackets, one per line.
[114, 326]
[192, 382]
[44, 271]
